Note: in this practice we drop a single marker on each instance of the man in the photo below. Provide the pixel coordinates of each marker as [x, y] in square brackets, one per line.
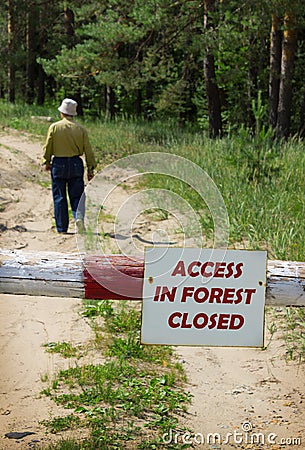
[66, 142]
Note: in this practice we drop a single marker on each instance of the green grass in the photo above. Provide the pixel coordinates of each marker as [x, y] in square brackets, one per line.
[294, 333]
[135, 396]
[261, 181]
[65, 349]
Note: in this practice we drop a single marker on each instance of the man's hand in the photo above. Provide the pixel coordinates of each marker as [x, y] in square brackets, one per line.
[90, 175]
[48, 167]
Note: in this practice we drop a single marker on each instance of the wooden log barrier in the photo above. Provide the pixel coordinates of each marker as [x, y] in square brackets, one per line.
[56, 274]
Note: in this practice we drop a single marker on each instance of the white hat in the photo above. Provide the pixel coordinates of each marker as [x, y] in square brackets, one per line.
[68, 107]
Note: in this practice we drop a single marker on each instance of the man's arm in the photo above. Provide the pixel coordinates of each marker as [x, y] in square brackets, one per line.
[89, 155]
[48, 149]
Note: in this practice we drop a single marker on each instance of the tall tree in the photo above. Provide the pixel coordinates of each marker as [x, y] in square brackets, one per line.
[31, 50]
[188, 60]
[275, 68]
[287, 66]
[212, 92]
[11, 47]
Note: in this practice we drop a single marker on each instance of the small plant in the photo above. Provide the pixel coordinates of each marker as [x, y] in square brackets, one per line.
[294, 333]
[157, 214]
[98, 308]
[65, 349]
[62, 423]
[272, 328]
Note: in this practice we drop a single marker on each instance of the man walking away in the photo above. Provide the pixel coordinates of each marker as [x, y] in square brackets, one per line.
[66, 141]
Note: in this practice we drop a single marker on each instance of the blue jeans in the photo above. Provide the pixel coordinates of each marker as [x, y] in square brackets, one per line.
[67, 173]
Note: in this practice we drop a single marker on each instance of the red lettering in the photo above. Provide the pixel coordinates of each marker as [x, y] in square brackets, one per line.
[213, 321]
[184, 323]
[223, 321]
[179, 269]
[191, 266]
[236, 322]
[219, 269]
[171, 318]
[157, 293]
[239, 297]
[167, 293]
[216, 294]
[229, 270]
[209, 269]
[239, 271]
[228, 295]
[200, 320]
[205, 296]
[187, 292]
[249, 293]
[204, 273]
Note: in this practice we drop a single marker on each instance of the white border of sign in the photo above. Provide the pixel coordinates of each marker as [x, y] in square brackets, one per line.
[204, 297]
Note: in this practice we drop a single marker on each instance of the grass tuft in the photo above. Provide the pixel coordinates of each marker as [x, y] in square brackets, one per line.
[135, 396]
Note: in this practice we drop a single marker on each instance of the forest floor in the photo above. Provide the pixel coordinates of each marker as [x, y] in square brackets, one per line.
[235, 390]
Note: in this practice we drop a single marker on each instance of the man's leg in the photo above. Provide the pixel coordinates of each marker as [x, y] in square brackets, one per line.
[77, 197]
[76, 192]
[59, 187]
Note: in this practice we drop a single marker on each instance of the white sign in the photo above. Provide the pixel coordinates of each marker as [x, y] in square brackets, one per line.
[204, 297]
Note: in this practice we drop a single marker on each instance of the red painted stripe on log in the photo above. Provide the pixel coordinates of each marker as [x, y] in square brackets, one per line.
[113, 277]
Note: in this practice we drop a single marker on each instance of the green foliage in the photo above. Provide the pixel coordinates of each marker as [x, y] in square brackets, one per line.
[65, 349]
[24, 117]
[134, 396]
[151, 54]
[294, 333]
[98, 308]
[289, 324]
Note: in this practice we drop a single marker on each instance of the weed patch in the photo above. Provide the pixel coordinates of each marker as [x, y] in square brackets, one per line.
[289, 324]
[294, 333]
[134, 397]
[65, 349]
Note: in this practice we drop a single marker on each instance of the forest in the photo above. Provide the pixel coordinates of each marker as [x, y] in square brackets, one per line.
[215, 64]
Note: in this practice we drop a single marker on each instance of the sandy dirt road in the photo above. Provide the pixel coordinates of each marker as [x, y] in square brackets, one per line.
[240, 395]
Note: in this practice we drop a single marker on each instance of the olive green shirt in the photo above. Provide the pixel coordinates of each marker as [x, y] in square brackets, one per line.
[67, 138]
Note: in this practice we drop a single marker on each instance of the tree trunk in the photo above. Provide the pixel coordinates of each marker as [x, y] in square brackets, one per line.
[31, 39]
[287, 65]
[110, 103]
[41, 86]
[188, 109]
[275, 69]
[139, 99]
[69, 26]
[148, 106]
[79, 100]
[252, 88]
[212, 92]
[11, 68]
